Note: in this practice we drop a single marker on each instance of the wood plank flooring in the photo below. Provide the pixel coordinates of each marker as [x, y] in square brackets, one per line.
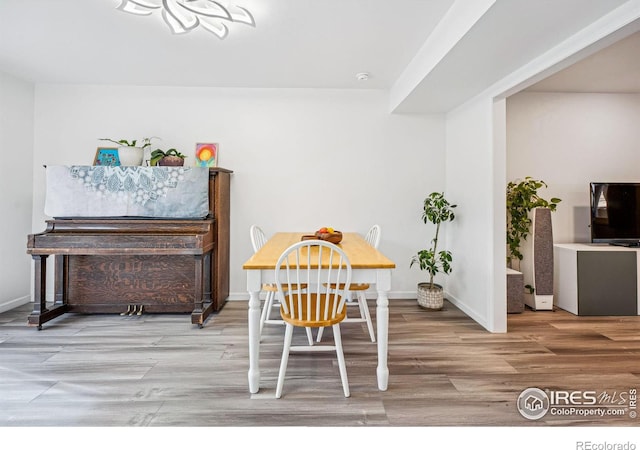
[158, 370]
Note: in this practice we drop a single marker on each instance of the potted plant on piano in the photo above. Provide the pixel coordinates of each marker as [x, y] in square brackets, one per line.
[436, 209]
[131, 153]
[171, 157]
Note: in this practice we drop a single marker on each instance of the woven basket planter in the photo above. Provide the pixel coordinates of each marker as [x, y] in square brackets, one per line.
[428, 298]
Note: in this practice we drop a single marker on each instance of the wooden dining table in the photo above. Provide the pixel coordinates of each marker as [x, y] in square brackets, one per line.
[368, 265]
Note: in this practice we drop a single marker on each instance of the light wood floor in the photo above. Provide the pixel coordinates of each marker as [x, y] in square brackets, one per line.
[446, 370]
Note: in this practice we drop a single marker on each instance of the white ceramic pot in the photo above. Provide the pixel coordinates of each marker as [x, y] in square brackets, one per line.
[130, 156]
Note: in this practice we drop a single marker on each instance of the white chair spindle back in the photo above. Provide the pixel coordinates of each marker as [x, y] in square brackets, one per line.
[373, 236]
[302, 265]
[258, 238]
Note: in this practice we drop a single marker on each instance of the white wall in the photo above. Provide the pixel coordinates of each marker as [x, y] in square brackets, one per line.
[16, 187]
[470, 184]
[569, 140]
[302, 159]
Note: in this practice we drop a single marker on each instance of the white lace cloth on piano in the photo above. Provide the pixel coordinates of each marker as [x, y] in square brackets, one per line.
[132, 191]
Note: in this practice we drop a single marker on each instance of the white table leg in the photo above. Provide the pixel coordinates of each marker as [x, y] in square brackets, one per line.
[253, 286]
[383, 286]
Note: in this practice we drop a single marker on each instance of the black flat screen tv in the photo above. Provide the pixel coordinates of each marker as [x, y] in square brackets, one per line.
[615, 213]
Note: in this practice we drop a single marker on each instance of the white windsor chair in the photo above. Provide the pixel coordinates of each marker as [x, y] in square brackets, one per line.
[258, 239]
[319, 265]
[358, 290]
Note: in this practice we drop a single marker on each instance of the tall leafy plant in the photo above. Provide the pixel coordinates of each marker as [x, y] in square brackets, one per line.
[522, 198]
[436, 209]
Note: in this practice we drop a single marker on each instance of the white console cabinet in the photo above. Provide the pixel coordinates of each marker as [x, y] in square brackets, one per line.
[597, 279]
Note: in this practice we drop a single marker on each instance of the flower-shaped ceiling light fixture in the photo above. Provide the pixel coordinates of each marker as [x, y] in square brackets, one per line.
[183, 16]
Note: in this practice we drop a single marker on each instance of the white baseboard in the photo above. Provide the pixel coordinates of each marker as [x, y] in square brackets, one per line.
[11, 304]
[469, 311]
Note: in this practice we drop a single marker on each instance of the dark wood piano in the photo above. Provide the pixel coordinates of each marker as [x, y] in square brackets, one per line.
[136, 265]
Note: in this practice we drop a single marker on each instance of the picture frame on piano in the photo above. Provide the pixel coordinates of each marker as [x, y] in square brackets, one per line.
[207, 154]
[106, 156]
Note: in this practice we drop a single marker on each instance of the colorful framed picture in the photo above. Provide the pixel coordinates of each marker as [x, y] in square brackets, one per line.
[207, 155]
[106, 156]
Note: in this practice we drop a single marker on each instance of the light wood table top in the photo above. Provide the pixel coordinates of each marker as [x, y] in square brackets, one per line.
[360, 253]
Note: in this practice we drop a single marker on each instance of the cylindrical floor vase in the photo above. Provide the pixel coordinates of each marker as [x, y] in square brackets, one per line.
[430, 298]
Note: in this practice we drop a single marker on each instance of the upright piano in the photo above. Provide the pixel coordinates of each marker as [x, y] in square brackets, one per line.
[136, 265]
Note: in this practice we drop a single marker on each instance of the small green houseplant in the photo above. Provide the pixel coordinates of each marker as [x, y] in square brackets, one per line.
[171, 157]
[522, 198]
[436, 209]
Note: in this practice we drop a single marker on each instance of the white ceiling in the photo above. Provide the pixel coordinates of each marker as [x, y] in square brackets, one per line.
[296, 43]
[303, 44]
[614, 69]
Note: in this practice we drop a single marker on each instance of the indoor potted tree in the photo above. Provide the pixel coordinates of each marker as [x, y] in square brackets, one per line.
[436, 209]
[131, 153]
